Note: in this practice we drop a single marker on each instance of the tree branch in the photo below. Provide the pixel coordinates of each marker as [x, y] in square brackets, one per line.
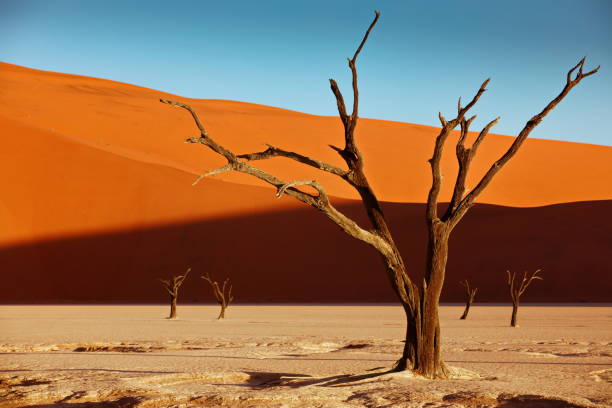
[464, 159]
[350, 153]
[312, 183]
[223, 169]
[340, 102]
[524, 133]
[272, 151]
[527, 281]
[447, 127]
[320, 202]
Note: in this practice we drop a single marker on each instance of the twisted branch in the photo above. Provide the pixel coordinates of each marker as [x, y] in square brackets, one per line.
[172, 285]
[517, 290]
[272, 151]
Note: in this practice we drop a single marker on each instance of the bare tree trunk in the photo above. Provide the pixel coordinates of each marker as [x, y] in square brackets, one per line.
[422, 343]
[471, 293]
[172, 307]
[515, 306]
[466, 311]
[222, 312]
[431, 364]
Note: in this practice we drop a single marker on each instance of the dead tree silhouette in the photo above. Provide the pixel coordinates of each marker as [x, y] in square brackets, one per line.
[471, 292]
[517, 289]
[223, 294]
[172, 287]
[419, 298]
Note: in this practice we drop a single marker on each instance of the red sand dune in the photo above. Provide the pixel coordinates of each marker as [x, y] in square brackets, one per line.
[98, 202]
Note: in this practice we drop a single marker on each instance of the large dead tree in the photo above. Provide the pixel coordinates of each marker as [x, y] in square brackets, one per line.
[419, 299]
[517, 289]
[223, 294]
[172, 287]
[471, 293]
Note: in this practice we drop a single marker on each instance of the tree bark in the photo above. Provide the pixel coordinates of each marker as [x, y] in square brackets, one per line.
[422, 343]
[515, 306]
[172, 307]
[466, 311]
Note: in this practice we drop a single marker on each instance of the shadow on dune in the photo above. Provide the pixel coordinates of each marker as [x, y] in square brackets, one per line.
[299, 256]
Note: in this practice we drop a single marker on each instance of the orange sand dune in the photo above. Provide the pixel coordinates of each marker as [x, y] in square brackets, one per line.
[97, 190]
[129, 121]
[57, 187]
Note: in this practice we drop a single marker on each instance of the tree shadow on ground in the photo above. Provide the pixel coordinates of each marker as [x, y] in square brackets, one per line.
[259, 380]
[124, 402]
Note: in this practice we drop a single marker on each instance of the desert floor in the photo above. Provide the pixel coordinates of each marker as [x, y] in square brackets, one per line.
[298, 356]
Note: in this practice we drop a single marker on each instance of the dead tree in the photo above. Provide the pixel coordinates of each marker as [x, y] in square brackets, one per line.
[172, 287]
[223, 294]
[419, 298]
[471, 292]
[517, 289]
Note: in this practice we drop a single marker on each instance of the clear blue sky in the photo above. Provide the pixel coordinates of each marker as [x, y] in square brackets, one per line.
[420, 58]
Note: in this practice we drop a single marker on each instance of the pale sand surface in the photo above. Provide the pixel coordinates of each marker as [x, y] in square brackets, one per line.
[297, 356]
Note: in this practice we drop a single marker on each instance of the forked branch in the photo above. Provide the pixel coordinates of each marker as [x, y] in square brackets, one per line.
[518, 288]
[447, 127]
[351, 153]
[571, 82]
[172, 285]
[461, 202]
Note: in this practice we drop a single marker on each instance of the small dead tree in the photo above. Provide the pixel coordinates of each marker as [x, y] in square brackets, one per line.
[419, 297]
[172, 287]
[471, 292]
[223, 293]
[517, 289]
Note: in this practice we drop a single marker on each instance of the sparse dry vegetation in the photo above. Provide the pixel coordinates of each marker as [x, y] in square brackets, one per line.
[223, 293]
[172, 287]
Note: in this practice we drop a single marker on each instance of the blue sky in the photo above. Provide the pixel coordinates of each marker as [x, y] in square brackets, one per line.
[420, 58]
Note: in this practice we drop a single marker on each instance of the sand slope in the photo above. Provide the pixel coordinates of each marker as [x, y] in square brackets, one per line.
[97, 187]
[128, 120]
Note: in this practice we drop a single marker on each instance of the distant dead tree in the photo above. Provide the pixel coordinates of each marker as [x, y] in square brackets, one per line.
[517, 289]
[471, 292]
[172, 287]
[420, 297]
[223, 294]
